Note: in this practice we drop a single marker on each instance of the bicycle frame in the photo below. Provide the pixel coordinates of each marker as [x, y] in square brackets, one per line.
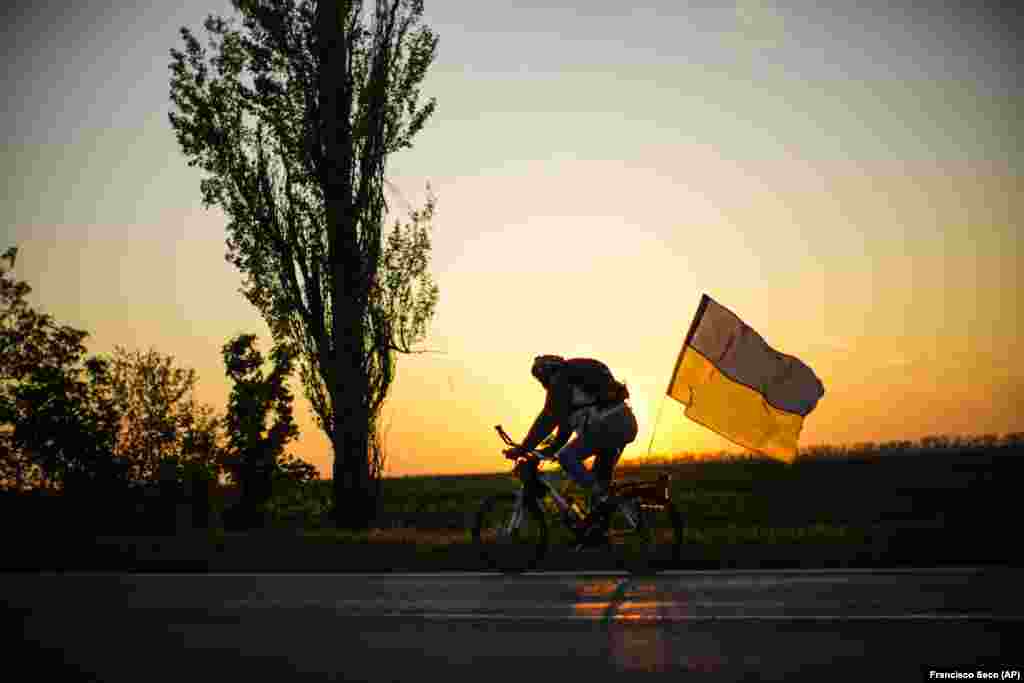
[539, 459]
[532, 479]
[529, 478]
[638, 525]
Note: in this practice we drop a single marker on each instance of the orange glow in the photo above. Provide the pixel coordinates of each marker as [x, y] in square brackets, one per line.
[861, 214]
[631, 649]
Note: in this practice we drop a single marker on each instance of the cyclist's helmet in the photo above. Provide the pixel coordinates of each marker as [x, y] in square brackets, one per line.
[545, 366]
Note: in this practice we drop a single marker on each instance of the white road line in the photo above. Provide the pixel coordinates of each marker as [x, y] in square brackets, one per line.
[698, 572]
[445, 616]
[582, 572]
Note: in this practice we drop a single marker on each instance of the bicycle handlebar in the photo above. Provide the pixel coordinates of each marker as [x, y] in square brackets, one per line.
[508, 440]
[504, 437]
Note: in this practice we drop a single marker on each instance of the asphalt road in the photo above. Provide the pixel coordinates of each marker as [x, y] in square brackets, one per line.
[717, 625]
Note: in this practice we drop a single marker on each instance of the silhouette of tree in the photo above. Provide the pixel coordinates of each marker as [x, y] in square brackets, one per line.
[294, 151]
[159, 417]
[57, 419]
[255, 454]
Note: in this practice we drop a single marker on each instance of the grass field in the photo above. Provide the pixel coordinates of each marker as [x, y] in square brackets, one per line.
[945, 500]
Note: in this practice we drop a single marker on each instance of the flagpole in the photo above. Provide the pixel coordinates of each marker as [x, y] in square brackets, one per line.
[661, 404]
[704, 300]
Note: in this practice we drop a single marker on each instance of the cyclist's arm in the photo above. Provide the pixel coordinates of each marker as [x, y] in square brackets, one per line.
[555, 412]
[559, 441]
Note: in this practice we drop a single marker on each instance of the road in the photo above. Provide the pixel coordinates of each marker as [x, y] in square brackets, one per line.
[709, 626]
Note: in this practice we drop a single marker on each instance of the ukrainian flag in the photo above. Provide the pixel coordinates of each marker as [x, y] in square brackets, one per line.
[733, 383]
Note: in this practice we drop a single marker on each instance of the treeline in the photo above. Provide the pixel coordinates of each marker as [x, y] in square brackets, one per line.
[113, 432]
[944, 444]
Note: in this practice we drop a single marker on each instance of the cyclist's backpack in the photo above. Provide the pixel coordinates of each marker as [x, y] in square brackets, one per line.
[593, 383]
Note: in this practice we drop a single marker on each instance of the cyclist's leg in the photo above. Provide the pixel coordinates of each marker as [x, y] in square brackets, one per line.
[604, 465]
[571, 457]
[610, 436]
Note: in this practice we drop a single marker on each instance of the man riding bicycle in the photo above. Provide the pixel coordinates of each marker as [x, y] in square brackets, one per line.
[582, 397]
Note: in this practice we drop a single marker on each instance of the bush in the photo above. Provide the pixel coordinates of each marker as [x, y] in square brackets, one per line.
[303, 502]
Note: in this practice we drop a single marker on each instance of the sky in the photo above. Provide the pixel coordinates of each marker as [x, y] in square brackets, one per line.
[844, 177]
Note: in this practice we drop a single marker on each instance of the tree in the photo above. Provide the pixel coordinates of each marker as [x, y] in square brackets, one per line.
[90, 426]
[295, 154]
[56, 410]
[67, 425]
[255, 452]
[159, 417]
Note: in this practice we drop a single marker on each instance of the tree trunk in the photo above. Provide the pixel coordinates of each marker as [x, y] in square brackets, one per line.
[350, 438]
[353, 502]
[347, 377]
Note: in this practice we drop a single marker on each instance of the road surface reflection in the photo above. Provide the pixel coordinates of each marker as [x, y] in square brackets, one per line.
[634, 612]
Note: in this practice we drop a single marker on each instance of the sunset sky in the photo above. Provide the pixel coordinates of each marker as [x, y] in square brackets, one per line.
[845, 179]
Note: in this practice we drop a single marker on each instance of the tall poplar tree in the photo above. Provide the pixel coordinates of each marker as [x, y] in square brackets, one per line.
[293, 121]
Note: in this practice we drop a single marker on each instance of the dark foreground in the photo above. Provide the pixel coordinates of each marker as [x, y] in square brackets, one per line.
[723, 625]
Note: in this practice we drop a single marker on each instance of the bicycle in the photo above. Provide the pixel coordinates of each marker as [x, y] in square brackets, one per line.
[510, 530]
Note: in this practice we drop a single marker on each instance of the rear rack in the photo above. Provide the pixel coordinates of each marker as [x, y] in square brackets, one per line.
[653, 492]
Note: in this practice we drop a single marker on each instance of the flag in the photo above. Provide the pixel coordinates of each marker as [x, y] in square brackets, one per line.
[733, 383]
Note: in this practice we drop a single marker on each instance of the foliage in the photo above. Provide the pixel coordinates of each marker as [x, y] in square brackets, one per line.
[291, 469]
[272, 481]
[292, 122]
[58, 417]
[160, 419]
[378, 458]
[255, 398]
[90, 420]
[299, 500]
[933, 443]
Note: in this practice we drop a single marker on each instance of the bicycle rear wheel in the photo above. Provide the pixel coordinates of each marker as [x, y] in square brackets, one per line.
[511, 537]
[644, 538]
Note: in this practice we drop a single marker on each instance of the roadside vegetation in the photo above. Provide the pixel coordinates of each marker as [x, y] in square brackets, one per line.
[943, 500]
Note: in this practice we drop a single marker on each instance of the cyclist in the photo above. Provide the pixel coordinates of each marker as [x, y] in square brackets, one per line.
[582, 397]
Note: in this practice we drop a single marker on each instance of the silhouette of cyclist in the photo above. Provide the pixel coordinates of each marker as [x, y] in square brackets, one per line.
[582, 397]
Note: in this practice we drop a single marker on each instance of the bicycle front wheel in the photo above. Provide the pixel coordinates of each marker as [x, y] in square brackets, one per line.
[644, 538]
[511, 535]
